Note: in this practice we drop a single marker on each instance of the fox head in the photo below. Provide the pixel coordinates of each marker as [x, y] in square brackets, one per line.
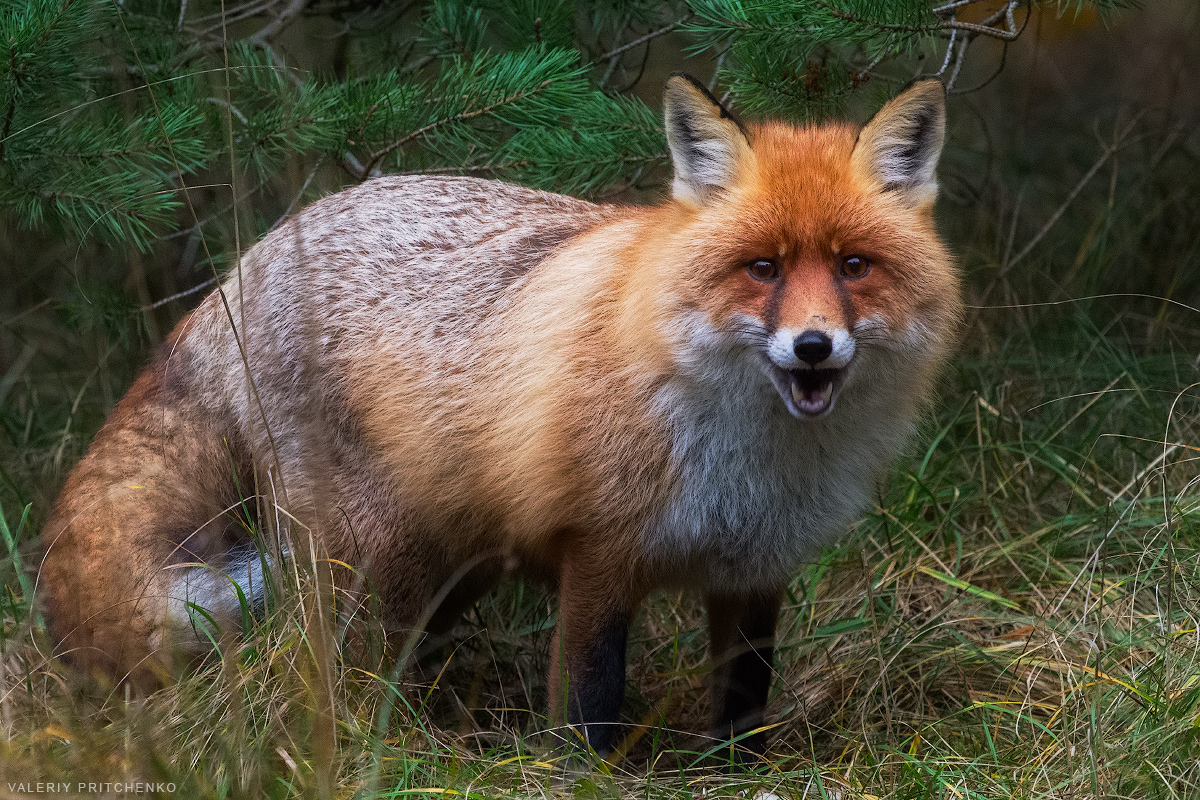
[813, 249]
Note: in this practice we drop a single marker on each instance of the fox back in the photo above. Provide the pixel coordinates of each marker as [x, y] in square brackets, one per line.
[441, 377]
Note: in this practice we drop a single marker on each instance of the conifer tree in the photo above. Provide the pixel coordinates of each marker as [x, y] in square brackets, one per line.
[126, 121]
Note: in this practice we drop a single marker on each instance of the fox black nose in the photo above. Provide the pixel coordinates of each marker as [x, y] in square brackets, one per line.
[813, 347]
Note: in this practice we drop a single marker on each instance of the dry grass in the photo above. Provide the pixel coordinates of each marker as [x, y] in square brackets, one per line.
[1017, 617]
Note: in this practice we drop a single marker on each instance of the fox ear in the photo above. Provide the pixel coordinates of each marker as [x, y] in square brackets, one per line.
[901, 144]
[708, 146]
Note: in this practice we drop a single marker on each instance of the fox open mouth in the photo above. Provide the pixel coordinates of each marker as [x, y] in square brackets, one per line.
[807, 393]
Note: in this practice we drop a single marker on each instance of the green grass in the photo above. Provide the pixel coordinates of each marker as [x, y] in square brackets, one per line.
[1016, 617]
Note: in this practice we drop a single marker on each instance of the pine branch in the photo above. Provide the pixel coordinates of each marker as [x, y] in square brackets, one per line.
[11, 107]
[483, 91]
[378, 156]
[882, 26]
[986, 28]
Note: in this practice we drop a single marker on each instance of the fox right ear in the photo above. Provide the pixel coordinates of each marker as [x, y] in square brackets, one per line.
[708, 146]
[899, 148]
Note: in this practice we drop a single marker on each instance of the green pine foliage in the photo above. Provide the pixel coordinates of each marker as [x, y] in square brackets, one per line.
[111, 112]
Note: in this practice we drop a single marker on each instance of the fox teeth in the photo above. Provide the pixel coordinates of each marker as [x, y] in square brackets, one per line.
[826, 394]
[815, 404]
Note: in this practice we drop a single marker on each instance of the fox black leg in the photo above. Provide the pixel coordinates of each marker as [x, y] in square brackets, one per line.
[595, 687]
[587, 670]
[742, 637]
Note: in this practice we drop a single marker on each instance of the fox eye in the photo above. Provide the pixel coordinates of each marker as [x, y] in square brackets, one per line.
[763, 269]
[855, 266]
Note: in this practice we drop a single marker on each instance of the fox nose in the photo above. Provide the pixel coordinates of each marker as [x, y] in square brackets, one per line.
[813, 347]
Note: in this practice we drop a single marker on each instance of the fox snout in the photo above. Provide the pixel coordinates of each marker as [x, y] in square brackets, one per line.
[807, 366]
[813, 346]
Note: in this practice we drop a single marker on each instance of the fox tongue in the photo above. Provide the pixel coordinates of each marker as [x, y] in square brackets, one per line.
[812, 400]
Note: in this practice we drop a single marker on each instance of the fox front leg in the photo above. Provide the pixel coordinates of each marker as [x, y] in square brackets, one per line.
[587, 664]
[742, 642]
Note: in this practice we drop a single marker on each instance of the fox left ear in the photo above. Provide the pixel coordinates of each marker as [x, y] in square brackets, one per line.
[901, 144]
[708, 146]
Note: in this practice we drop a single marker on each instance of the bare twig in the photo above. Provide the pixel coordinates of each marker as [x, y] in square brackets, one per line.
[178, 295]
[16, 370]
[276, 25]
[292, 205]
[378, 156]
[987, 27]
[614, 60]
[641, 72]
[229, 13]
[954, 5]
[864, 73]
[651, 35]
[982, 30]
[949, 52]
[417, 63]
[990, 78]
[233, 15]
[1109, 150]
[712, 83]
[232, 109]
[958, 62]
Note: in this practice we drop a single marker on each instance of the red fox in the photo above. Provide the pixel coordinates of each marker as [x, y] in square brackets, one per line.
[440, 375]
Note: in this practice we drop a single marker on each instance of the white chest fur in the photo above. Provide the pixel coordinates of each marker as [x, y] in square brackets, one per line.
[756, 491]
